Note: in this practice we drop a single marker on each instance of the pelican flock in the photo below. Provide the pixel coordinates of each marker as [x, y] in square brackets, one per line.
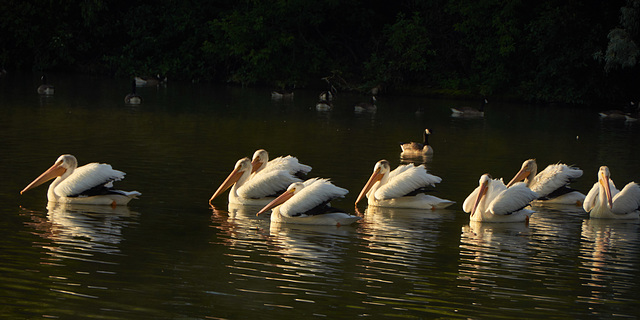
[89, 184]
[605, 201]
[308, 203]
[403, 187]
[552, 183]
[279, 185]
[492, 201]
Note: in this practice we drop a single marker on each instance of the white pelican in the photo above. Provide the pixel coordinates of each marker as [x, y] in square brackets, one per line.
[89, 184]
[308, 203]
[469, 111]
[401, 188]
[45, 88]
[366, 106]
[258, 189]
[412, 149]
[260, 162]
[492, 201]
[605, 201]
[133, 97]
[552, 183]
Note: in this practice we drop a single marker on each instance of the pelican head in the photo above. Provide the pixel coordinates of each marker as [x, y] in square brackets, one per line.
[527, 172]
[291, 191]
[259, 160]
[381, 168]
[484, 185]
[243, 165]
[603, 178]
[65, 163]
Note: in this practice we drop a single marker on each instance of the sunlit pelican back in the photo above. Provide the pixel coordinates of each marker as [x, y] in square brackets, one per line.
[606, 202]
[417, 149]
[258, 189]
[403, 187]
[491, 201]
[308, 203]
[89, 184]
[260, 162]
[552, 183]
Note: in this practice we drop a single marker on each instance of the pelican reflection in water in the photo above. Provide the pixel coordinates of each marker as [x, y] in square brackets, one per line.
[77, 229]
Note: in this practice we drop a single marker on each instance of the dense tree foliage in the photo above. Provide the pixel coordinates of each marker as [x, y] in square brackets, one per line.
[561, 51]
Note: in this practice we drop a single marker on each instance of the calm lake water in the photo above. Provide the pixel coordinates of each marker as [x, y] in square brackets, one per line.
[168, 255]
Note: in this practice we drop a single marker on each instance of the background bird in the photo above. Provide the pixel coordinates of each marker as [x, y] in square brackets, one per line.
[412, 149]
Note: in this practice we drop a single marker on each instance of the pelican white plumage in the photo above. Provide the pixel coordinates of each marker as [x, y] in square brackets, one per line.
[258, 189]
[401, 188]
[308, 203]
[412, 149]
[89, 184]
[607, 202]
[552, 183]
[260, 162]
[492, 201]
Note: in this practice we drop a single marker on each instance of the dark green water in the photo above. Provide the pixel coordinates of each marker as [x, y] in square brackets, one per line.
[168, 255]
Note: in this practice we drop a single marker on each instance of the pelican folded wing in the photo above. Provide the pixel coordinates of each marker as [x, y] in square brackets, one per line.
[512, 199]
[404, 180]
[627, 200]
[87, 177]
[267, 184]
